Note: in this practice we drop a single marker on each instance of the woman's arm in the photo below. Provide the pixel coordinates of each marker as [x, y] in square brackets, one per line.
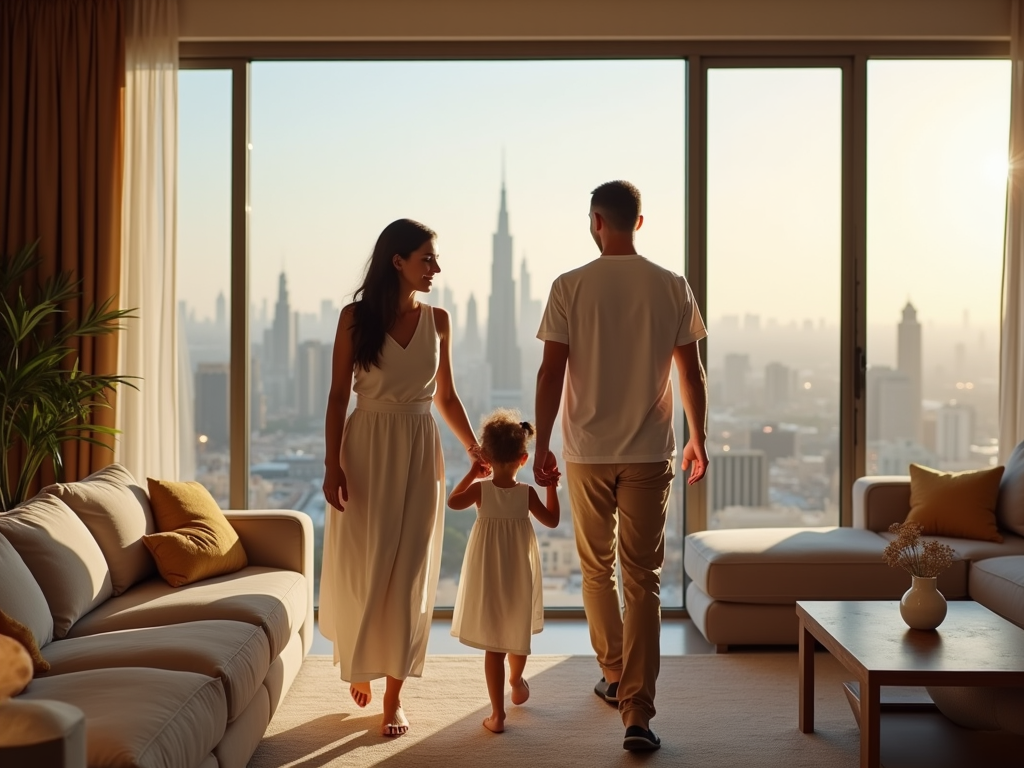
[467, 492]
[342, 367]
[546, 514]
[446, 398]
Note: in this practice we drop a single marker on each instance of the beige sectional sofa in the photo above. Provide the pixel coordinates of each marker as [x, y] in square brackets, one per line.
[142, 673]
[745, 582]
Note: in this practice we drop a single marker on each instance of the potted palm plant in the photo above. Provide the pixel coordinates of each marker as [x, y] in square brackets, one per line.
[45, 399]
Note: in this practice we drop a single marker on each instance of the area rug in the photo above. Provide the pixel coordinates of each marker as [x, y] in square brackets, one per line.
[729, 711]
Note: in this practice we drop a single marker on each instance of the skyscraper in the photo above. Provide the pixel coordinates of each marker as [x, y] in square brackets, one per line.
[279, 342]
[211, 405]
[908, 362]
[502, 348]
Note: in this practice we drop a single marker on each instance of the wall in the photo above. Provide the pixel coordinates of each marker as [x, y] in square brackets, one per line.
[212, 20]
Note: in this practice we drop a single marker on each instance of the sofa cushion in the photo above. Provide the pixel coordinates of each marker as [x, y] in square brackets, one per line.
[144, 718]
[976, 549]
[116, 511]
[957, 504]
[236, 652]
[62, 555]
[195, 540]
[998, 584]
[21, 598]
[267, 597]
[783, 565]
[1010, 507]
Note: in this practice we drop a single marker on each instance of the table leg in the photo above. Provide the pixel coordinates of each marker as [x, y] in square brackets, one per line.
[807, 644]
[870, 723]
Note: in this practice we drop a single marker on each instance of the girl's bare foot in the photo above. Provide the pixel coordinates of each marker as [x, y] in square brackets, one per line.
[360, 693]
[520, 691]
[395, 723]
[495, 723]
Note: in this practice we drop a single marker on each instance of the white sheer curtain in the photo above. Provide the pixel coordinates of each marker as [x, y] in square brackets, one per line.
[148, 418]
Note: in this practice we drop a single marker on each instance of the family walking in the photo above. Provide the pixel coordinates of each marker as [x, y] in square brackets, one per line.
[612, 330]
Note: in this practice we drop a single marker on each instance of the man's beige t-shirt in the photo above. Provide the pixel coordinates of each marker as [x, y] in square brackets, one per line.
[622, 317]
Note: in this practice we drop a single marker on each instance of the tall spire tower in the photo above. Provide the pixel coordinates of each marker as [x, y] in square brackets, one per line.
[502, 349]
[908, 362]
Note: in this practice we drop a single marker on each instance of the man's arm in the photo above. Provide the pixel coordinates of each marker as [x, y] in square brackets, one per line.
[693, 391]
[550, 380]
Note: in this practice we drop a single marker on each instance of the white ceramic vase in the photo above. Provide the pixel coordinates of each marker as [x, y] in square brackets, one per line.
[923, 606]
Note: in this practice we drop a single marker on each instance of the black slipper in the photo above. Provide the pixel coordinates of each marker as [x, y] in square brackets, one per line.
[639, 739]
[607, 691]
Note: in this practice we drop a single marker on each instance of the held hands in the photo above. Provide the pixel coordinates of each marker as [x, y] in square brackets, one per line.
[545, 469]
[480, 469]
[695, 459]
[335, 487]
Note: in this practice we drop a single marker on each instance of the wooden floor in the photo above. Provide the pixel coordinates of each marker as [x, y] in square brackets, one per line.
[679, 637]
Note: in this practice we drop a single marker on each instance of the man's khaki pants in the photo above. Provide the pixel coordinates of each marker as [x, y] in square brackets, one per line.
[636, 496]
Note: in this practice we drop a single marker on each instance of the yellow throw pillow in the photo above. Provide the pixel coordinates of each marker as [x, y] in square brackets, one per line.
[15, 630]
[957, 504]
[195, 540]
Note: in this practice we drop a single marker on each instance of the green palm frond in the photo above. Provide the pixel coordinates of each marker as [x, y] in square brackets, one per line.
[46, 400]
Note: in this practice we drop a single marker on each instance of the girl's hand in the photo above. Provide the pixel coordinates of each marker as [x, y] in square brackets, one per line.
[335, 487]
[480, 469]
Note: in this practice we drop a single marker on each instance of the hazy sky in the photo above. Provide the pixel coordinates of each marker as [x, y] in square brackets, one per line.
[342, 148]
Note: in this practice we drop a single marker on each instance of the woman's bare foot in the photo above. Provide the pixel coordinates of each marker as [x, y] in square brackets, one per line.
[520, 691]
[395, 723]
[360, 693]
[495, 723]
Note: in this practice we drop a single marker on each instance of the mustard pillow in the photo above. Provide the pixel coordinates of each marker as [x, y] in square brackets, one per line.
[15, 630]
[195, 540]
[957, 504]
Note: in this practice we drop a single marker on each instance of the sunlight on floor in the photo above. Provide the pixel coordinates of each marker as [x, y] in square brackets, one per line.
[560, 636]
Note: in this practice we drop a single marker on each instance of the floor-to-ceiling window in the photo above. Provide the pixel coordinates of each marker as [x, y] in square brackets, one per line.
[774, 201]
[937, 166]
[203, 276]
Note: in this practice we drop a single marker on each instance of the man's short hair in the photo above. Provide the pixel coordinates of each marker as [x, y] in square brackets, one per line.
[619, 203]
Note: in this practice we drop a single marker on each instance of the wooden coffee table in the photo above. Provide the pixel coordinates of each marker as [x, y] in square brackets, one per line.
[973, 646]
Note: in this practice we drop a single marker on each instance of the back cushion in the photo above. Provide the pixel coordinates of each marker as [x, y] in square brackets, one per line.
[20, 595]
[1010, 507]
[116, 511]
[62, 555]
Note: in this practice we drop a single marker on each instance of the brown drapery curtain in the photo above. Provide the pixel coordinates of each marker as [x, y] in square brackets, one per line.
[61, 156]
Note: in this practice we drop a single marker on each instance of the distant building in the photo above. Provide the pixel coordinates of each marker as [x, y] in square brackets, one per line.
[738, 478]
[908, 362]
[775, 442]
[778, 385]
[211, 408]
[895, 457]
[558, 556]
[737, 379]
[502, 347]
[890, 405]
[954, 433]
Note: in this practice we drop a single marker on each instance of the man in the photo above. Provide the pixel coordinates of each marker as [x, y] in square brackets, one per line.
[615, 326]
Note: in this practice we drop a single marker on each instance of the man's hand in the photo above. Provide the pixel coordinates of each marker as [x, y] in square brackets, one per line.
[695, 459]
[336, 487]
[545, 468]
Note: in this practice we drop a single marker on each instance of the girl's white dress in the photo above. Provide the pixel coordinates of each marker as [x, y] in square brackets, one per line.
[382, 554]
[500, 602]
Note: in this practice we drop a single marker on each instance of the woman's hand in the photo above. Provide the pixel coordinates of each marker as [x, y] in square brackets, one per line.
[335, 487]
[480, 469]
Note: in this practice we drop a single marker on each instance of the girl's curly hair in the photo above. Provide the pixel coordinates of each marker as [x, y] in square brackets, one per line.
[505, 436]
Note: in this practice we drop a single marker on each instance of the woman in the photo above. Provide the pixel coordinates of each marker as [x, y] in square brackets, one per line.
[384, 475]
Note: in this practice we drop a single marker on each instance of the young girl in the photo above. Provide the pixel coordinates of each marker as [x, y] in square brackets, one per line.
[500, 602]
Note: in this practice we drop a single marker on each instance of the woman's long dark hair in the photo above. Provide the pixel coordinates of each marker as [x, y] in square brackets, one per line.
[376, 300]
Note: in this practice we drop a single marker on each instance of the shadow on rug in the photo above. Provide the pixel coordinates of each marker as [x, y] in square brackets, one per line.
[732, 711]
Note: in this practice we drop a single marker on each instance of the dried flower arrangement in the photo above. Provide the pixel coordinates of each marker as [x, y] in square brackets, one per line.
[919, 558]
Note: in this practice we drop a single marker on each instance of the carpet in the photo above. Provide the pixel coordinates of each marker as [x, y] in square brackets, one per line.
[730, 711]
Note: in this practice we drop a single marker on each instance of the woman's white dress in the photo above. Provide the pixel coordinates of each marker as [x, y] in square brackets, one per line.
[500, 602]
[382, 554]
